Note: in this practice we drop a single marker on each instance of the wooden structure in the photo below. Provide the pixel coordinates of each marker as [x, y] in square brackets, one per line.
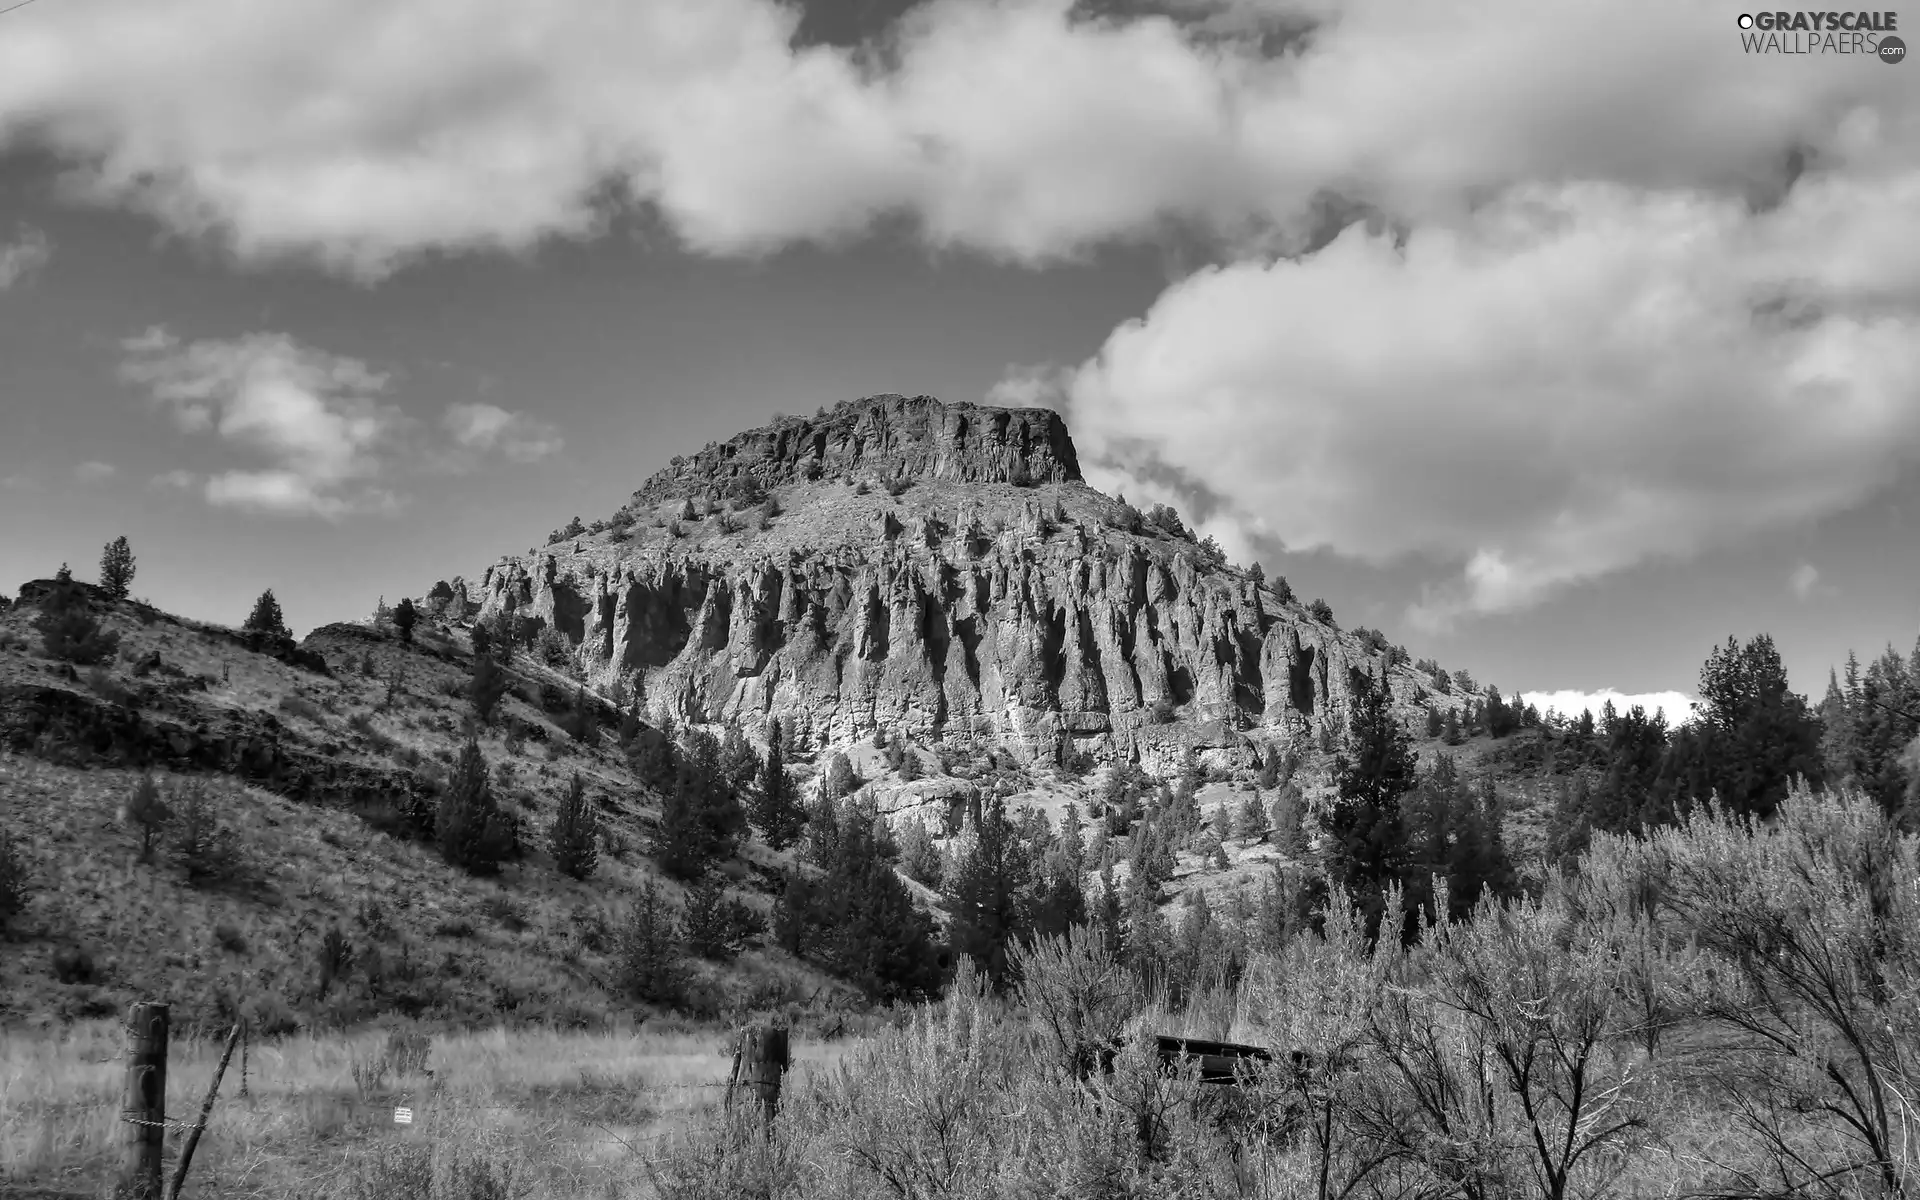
[760, 1061]
[1218, 1060]
[145, 1113]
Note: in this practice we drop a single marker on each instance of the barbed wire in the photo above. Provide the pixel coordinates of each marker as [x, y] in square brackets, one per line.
[22, 4]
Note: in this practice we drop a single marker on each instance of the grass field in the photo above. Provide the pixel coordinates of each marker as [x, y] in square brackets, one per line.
[554, 1114]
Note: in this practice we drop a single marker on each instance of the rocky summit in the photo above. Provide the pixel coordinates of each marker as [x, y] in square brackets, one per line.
[937, 570]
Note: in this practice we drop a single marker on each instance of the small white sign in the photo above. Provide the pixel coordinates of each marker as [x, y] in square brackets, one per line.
[403, 1116]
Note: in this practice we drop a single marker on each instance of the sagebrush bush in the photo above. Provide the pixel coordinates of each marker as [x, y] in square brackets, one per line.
[15, 886]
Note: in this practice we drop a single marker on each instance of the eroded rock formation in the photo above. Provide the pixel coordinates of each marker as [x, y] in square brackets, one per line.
[998, 600]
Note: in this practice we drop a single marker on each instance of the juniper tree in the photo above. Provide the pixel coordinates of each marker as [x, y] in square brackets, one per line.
[652, 962]
[574, 837]
[777, 810]
[15, 888]
[116, 568]
[1251, 822]
[1372, 773]
[469, 828]
[266, 618]
[404, 617]
[68, 629]
[148, 812]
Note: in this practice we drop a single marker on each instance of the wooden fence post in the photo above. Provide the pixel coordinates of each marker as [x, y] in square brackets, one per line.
[206, 1110]
[246, 1036]
[760, 1060]
[146, 1102]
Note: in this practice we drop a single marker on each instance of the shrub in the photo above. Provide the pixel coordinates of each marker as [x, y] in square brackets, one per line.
[208, 850]
[552, 647]
[148, 813]
[404, 617]
[299, 706]
[74, 964]
[1321, 611]
[487, 685]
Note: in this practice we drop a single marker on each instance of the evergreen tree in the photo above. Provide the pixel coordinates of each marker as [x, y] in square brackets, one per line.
[1288, 818]
[1626, 800]
[737, 759]
[1759, 734]
[481, 640]
[148, 812]
[68, 629]
[919, 858]
[404, 618]
[777, 810]
[1570, 827]
[985, 889]
[1368, 844]
[574, 836]
[1839, 742]
[880, 940]
[652, 963]
[1251, 821]
[116, 569]
[471, 831]
[1434, 725]
[712, 924]
[486, 687]
[1450, 732]
[266, 618]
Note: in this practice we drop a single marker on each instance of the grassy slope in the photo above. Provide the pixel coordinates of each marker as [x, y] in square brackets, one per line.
[150, 934]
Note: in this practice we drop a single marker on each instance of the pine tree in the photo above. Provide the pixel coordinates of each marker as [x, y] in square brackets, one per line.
[987, 882]
[652, 963]
[737, 759]
[777, 810]
[574, 836]
[1434, 724]
[1372, 773]
[1760, 735]
[148, 813]
[879, 939]
[1251, 822]
[486, 687]
[706, 927]
[471, 831]
[266, 619]
[404, 617]
[116, 569]
[1289, 822]
[68, 629]
[1450, 732]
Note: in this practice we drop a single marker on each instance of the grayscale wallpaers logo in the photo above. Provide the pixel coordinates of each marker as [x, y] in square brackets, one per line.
[1863, 33]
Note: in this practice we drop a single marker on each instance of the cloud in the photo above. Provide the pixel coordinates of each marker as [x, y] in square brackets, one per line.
[176, 479]
[487, 427]
[315, 419]
[19, 483]
[1567, 382]
[93, 472]
[359, 134]
[1677, 705]
[1805, 583]
[30, 250]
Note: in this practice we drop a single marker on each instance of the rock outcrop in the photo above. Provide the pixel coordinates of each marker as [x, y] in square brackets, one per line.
[998, 600]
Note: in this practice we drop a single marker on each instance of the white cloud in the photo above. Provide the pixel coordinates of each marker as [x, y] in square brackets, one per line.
[29, 250]
[1568, 382]
[360, 132]
[314, 417]
[1677, 705]
[1806, 584]
[487, 427]
[176, 479]
[93, 472]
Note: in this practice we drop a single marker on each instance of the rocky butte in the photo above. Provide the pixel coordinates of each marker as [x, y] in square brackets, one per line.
[936, 569]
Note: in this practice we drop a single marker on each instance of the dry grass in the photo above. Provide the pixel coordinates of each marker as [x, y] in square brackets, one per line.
[568, 1114]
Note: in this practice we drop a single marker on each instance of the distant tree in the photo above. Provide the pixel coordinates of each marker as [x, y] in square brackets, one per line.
[208, 849]
[1463, 683]
[68, 629]
[1321, 611]
[712, 924]
[738, 760]
[652, 961]
[583, 718]
[1282, 589]
[985, 890]
[480, 638]
[148, 812]
[266, 618]
[1288, 818]
[404, 617]
[487, 686]
[469, 828]
[777, 810]
[1372, 772]
[1760, 734]
[1434, 725]
[15, 886]
[1251, 821]
[574, 836]
[116, 568]
[1450, 728]
[919, 857]
[840, 778]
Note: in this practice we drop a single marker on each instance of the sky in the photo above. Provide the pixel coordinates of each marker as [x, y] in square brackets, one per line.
[1560, 342]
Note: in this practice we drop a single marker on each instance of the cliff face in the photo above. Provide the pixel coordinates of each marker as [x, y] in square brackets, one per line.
[999, 600]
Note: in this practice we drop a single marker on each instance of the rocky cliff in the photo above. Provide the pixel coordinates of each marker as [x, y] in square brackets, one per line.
[940, 570]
